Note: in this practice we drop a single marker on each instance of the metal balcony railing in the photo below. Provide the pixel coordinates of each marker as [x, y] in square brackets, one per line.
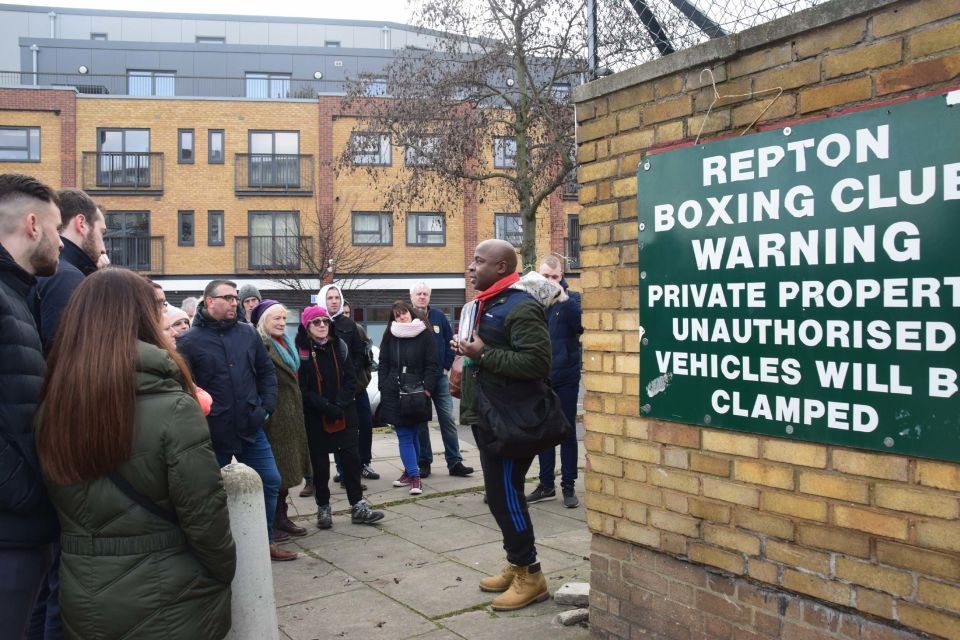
[271, 174]
[139, 253]
[119, 173]
[288, 254]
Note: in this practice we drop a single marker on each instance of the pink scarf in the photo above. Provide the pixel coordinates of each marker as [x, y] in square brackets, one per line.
[407, 329]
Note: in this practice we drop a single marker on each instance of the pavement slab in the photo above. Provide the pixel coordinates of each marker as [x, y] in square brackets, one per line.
[377, 556]
[536, 624]
[443, 534]
[436, 589]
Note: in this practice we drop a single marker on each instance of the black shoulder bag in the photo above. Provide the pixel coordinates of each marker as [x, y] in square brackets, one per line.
[415, 405]
[121, 483]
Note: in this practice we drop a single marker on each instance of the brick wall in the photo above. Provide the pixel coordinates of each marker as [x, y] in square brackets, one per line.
[55, 112]
[702, 533]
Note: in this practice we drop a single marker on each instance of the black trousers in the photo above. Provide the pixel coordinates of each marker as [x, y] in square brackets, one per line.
[503, 479]
[345, 444]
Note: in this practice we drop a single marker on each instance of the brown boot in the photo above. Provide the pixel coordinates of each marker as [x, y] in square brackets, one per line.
[528, 586]
[308, 490]
[500, 582]
[282, 522]
[281, 555]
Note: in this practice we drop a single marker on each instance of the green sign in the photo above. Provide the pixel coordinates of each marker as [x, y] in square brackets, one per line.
[805, 282]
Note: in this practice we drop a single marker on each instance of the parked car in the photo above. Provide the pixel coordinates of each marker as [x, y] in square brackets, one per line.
[373, 390]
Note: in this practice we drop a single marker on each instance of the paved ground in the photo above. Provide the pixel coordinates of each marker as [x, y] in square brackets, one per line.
[415, 573]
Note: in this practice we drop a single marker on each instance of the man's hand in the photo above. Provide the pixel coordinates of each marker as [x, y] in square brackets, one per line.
[472, 348]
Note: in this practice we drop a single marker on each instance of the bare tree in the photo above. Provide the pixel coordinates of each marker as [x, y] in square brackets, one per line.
[487, 105]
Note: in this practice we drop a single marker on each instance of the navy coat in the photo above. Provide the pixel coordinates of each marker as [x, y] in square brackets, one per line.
[565, 320]
[27, 517]
[443, 334]
[52, 294]
[227, 358]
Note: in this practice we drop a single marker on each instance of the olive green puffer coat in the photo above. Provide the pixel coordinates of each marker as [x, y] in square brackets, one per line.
[126, 573]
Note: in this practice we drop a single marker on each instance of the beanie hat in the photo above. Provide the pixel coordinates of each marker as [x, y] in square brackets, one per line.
[249, 291]
[312, 313]
[259, 310]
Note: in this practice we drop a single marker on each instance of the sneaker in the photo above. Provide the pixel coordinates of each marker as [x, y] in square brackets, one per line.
[541, 493]
[363, 514]
[368, 472]
[424, 471]
[402, 481]
[415, 488]
[337, 478]
[460, 470]
[324, 517]
[570, 500]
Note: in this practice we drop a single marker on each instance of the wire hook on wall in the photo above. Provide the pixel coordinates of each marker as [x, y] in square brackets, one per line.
[751, 94]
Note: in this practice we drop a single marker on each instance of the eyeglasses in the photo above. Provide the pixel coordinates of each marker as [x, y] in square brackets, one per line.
[229, 298]
[316, 322]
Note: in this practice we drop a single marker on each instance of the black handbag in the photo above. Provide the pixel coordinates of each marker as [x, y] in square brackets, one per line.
[415, 405]
[519, 420]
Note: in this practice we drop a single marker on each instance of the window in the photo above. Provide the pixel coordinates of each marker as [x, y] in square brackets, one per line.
[185, 228]
[123, 158]
[151, 83]
[274, 159]
[128, 239]
[215, 228]
[211, 40]
[274, 239]
[372, 227]
[426, 229]
[215, 146]
[331, 43]
[98, 36]
[377, 87]
[561, 91]
[370, 148]
[509, 227]
[422, 151]
[19, 144]
[185, 146]
[268, 85]
[573, 241]
[505, 152]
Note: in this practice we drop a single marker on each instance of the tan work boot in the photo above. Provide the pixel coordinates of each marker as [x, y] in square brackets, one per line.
[501, 581]
[528, 586]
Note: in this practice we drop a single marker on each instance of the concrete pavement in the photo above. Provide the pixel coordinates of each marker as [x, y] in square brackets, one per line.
[414, 574]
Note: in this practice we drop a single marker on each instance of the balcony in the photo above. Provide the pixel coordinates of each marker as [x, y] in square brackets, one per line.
[138, 253]
[267, 174]
[284, 254]
[116, 173]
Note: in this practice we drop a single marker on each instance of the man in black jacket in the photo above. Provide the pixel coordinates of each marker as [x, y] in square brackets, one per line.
[82, 234]
[229, 361]
[29, 246]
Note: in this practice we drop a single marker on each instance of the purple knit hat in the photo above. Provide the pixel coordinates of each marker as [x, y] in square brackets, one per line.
[311, 313]
[259, 310]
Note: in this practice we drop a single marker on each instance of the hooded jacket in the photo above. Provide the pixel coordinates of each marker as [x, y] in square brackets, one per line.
[417, 357]
[352, 335]
[565, 320]
[228, 359]
[52, 294]
[26, 515]
[127, 573]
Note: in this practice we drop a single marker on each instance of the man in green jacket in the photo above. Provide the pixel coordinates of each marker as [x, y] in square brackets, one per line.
[503, 336]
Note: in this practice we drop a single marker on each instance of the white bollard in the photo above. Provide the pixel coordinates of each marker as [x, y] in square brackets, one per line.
[254, 609]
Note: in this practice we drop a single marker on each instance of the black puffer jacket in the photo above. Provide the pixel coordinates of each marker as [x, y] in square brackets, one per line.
[418, 356]
[26, 515]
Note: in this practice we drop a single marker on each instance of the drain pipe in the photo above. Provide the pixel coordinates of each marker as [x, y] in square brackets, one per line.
[36, 51]
[53, 24]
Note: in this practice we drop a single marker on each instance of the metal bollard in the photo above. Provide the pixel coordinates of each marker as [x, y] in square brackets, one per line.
[254, 608]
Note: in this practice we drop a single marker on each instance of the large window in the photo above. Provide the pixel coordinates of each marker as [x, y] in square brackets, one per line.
[372, 227]
[370, 148]
[377, 87]
[151, 83]
[509, 227]
[505, 153]
[268, 85]
[215, 146]
[274, 159]
[421, 151]
[185, 228]
[573, 241]
[128, 239]
[274, 239]
[185, 146]
[123, 157]
[215, 228]
[19, 144]
[427, 229]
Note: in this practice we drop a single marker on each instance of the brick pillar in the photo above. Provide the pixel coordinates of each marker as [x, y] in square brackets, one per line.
[557, 223]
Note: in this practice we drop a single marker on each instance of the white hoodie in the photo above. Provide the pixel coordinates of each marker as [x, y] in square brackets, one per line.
[322, 299]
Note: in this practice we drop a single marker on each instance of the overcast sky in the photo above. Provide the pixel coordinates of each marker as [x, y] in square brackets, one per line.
[387, 10]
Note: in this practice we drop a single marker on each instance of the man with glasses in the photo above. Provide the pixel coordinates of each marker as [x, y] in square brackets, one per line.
[229, 361]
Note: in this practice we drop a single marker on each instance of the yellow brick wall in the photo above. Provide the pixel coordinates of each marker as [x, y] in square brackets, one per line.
[876, 533]
[48, 169]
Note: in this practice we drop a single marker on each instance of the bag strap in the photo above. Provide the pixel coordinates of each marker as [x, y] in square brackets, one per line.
[121, 483]
[316, 369]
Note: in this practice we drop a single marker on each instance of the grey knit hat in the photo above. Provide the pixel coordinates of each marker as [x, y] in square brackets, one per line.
[249, 291]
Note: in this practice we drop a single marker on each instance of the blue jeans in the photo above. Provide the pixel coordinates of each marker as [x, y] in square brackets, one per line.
[259, 456]
[409, 448]
[568, 448]
[22, 573]
[443, 401]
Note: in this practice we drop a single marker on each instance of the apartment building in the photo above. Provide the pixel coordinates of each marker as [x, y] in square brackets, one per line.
[219, 159]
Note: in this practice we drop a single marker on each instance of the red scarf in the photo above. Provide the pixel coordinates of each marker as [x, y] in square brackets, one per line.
[495, 289]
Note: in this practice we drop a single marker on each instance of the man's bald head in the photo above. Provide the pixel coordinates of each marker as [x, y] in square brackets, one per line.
[492, 260]
[501, 250]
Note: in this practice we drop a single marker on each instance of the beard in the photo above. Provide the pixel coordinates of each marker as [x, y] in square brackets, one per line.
[89, 246]
[46, 257]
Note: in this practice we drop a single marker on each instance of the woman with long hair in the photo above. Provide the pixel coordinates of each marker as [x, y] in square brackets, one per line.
[408, 367]
[125, 451]
[284, 430]
[327, 383]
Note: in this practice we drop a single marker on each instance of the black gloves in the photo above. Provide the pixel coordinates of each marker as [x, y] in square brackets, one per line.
[333, 412]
